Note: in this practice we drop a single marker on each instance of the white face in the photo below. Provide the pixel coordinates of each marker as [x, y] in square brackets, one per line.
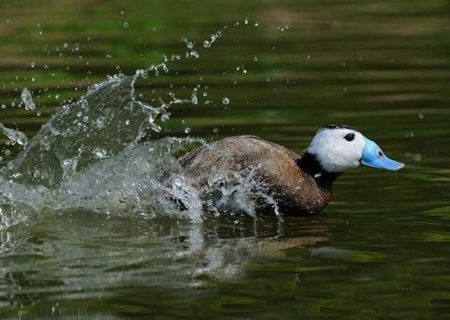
[337, 149]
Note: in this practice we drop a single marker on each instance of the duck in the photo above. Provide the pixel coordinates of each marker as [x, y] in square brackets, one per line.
[298, 184]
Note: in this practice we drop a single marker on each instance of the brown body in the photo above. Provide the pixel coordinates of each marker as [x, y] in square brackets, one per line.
[297, 184]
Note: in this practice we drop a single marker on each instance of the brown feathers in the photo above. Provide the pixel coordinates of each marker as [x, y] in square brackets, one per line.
[298, 185]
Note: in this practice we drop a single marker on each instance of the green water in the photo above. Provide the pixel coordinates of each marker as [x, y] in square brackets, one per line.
[379, 251]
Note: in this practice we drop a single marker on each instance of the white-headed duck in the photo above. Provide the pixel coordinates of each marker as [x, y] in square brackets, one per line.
[298, 184]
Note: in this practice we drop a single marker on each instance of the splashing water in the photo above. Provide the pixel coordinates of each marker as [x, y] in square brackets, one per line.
[87, 156]
[14, 136]
[240, 196]
[27, 100]
[142, 180]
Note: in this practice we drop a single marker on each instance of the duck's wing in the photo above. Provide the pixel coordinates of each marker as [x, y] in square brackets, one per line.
[235, 153]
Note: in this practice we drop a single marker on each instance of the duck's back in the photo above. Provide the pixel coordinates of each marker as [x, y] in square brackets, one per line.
[272, 166]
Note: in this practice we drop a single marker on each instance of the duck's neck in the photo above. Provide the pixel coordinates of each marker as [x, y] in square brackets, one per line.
[311, 166]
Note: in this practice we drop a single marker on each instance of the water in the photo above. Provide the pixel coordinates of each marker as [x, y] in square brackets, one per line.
[93, 233]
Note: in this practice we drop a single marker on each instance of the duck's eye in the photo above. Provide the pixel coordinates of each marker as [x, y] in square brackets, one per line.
[349, 136]
[380, 153]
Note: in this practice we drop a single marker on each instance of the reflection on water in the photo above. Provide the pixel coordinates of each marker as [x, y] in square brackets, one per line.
[380, 249]
[84, 256]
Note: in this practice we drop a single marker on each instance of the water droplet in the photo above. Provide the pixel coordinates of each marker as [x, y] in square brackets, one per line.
[165, 116]
[36, 173]
[187, 130]
[69, 167]
[225, 100]
[194, 99]
[190, 49]
[27, 99]
[100, 153]
[283, 28]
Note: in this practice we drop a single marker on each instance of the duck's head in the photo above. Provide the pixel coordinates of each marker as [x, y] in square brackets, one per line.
[339, 148]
